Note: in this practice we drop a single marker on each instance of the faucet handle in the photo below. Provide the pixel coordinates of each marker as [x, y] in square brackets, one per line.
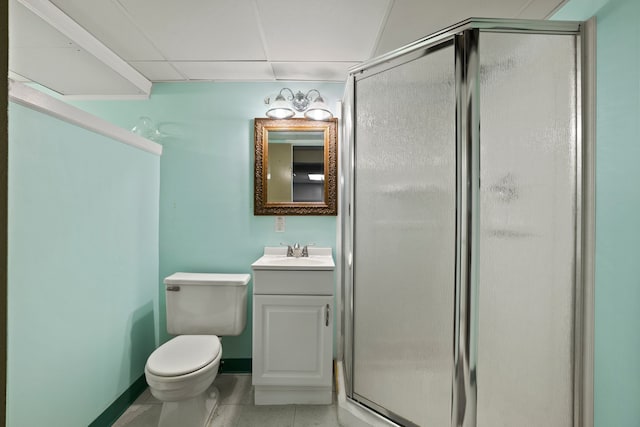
[305, 249]
[289, 248]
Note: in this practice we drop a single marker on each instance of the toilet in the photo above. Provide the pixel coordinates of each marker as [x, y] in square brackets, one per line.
[201, 307]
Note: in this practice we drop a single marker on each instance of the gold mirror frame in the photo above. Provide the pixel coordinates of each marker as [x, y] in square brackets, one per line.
[262, 206]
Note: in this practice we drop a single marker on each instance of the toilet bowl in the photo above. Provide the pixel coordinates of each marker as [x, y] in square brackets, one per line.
[183, 367]
[181, 371]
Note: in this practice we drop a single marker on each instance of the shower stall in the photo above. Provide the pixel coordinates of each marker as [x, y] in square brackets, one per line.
[467, 228]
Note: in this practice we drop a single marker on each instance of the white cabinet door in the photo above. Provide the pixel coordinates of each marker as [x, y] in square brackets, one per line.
[292, 340]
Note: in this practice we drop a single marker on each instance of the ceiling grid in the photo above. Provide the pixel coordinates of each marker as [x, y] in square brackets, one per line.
[233, 40]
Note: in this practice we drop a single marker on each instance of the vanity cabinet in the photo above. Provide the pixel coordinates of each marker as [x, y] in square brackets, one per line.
[293, 341]
[293, 333]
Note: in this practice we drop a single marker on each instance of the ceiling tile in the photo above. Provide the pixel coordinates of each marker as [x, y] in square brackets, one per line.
[312, 71]
[195, 30]
[109, 23]
[225, 70]
[28, 30]
[540, 9]
[157, 71]
[315, 30]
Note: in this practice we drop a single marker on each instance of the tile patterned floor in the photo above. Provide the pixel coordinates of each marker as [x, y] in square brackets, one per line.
[236, 409]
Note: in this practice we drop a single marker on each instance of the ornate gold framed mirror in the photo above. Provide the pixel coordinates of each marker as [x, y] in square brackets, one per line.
[295, 169]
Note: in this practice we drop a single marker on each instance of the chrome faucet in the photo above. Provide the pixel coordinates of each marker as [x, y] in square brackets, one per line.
[289, 250]
[297, 251]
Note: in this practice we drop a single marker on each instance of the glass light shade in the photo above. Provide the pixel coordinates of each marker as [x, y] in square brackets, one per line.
[280, 109]
[146, 129]
[318, 110]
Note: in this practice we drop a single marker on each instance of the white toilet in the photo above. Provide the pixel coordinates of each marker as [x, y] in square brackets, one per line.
[200, 307]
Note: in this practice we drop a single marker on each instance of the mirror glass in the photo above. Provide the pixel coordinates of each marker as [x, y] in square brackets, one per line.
[295, 171]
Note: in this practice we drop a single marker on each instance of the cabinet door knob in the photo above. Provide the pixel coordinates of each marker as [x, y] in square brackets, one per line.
[326, 315]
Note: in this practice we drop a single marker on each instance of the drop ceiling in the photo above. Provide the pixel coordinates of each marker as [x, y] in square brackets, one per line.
[118, 47]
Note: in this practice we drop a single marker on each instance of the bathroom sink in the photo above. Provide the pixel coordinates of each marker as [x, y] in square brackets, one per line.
[275, 273]
[276, 259]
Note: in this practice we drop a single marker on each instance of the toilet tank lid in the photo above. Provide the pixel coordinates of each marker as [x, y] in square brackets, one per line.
[207, 279]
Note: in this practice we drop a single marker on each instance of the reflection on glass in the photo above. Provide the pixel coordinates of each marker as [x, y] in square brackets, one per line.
[295, 169]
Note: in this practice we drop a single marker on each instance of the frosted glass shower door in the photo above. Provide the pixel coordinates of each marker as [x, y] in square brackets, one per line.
[404, 240]
[527, 249]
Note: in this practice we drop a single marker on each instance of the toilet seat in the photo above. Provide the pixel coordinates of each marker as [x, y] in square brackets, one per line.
[183, 354]
[181, 387]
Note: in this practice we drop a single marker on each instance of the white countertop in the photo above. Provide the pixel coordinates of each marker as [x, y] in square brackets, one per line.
[275, 258]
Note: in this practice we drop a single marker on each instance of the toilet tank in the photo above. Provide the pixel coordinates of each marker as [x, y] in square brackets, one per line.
[206, 303]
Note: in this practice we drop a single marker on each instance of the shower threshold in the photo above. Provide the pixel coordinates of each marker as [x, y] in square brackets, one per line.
[352, 414]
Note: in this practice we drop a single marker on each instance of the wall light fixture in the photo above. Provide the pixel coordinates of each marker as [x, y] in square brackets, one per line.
[313, 105]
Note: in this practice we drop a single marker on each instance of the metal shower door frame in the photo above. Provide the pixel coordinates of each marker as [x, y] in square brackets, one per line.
[465, 37]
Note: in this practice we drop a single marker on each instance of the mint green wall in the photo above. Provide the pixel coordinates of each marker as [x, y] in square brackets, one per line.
[83, 269]
[206, 185]
[617, 287]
